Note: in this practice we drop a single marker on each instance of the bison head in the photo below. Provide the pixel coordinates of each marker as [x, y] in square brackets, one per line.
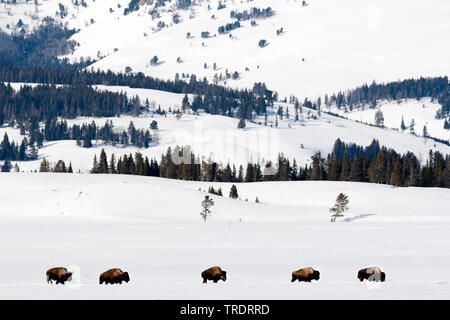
[382, 276]
[224, 276]
[316, 275]
[126, 277]
[68, 276]
[361, 275]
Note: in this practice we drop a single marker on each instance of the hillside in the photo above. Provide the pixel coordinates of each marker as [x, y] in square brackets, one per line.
[324, 46]
[217, 137]
[93, 222]
[423, 112]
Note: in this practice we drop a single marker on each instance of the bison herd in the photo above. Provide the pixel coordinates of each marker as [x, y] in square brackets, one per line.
[116, 275]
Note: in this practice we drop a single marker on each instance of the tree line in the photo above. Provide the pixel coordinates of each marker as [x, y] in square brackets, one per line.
[438, 88]
[347, 162]
[84, 134]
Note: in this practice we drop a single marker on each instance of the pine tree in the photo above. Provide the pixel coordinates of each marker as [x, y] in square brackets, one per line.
[402, 125]
[379, 119]
[425, 131]
[396, 179]
[94, 165]
[207, 203]
[411, 126]
[241, 174]
[112, 165]
[154, 125]
[70, 170]
[103, 163]
[233, 192]
[6, 166]
[345, 170]
[446, 124]
[339, 207]
[44, 166]
[249, 173]
[60, 167]
[241, 123]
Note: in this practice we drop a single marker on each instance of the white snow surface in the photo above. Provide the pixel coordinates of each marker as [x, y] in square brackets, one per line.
[151, 227]
[423, 112]
[344, 44]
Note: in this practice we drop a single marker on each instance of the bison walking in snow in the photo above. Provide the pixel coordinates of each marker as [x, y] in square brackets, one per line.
[371, 274]
[59, 274]
[305, 274]
[113, 276]
[215, 274]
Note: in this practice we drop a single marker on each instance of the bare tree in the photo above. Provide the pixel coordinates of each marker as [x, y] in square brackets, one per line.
[339, 207]
[207, 203]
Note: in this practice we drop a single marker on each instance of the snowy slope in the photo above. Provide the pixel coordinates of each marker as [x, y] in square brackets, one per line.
[217, 138]
[152, 228]
[423, 112]
[344, 44]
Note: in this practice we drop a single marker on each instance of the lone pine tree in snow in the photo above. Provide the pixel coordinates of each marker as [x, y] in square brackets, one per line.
[402, 125]
[241, 123]
[339, 207]
[411, 126]
[233, 192]
[207, 203]
[379, 119]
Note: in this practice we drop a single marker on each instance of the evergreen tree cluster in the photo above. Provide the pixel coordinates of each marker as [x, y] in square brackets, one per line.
[253, 13]
[41, 47]
[211, 98]
[229, 27]
[137, 165]
[217, 192]
[438, 88]
[48, 101]
[59, 130]
[14, 152]
[59, 167]
[347, 162]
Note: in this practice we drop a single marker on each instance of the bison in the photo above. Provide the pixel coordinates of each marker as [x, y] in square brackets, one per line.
[59, 274]
[371, 274]
[305, 274]
[215, 274]
[113, 276]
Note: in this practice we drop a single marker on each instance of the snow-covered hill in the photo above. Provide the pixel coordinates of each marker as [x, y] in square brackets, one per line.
[343, 44]
[423, 112]
[218, 138]
[152, 228]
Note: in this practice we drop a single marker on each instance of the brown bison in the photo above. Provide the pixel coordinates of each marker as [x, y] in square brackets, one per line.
[59, 274]
[215, 274]
[371, 274]
[305, 274]
[113, 276]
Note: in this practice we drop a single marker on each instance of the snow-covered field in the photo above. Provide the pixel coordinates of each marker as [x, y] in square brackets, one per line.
[423, 112]
[152, 228]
